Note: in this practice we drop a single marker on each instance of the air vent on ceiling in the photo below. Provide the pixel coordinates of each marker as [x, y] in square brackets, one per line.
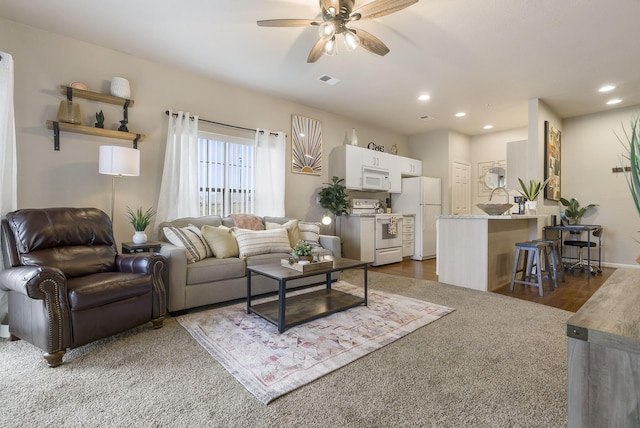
[427, 117]
[328, 79]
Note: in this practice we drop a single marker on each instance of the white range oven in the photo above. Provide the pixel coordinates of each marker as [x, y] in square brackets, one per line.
[387, 231]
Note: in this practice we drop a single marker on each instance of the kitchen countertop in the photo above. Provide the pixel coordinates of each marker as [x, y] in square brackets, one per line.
[491, 217]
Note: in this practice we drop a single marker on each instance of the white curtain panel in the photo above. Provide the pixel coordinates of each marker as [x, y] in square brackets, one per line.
[270, 173]
[8, 163]
[179, 187]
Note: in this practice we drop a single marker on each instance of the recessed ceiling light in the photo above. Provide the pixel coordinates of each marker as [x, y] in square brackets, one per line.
[606, 88]
[424, 97]
[461, 114]
[614, 101]
[488, 126]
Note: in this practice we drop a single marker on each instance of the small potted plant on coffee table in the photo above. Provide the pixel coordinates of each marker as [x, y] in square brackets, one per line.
[302, 251]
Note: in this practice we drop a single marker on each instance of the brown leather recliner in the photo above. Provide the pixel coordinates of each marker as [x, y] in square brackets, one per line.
[68, 286]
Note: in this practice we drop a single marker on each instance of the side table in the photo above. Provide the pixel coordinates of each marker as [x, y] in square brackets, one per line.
[147, 247]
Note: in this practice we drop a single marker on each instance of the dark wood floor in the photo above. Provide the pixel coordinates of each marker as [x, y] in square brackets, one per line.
[570, 295]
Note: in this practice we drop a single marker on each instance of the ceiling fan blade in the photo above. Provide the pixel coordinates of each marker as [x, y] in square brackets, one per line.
[371, 42]
[379, 8]
[286, 22]
[316, 51]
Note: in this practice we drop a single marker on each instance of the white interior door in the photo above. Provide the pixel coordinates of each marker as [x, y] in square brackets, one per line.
[461, 188]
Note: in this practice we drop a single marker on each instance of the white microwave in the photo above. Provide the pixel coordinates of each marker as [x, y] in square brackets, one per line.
[375, 179]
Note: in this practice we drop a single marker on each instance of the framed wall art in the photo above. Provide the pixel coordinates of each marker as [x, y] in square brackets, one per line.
[552, 145]
[306, 145]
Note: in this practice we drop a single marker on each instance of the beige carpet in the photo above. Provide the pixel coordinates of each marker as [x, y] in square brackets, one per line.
[495, 361]
[270, 364]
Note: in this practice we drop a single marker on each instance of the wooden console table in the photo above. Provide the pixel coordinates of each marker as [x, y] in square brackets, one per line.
[604, 355]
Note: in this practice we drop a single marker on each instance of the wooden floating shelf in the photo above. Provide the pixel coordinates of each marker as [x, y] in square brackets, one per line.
[99, 132]
[96, 96]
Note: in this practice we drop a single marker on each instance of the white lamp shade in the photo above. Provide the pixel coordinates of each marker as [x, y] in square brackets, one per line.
[115, 160]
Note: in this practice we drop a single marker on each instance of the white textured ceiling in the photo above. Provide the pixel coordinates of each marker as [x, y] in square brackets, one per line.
[484, 57]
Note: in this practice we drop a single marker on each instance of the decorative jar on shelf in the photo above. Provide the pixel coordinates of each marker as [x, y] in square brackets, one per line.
[354, 137]
[120, 87]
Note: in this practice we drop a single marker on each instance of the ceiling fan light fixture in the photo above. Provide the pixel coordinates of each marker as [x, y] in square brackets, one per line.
[327, 30]
[330, 47]
[351, 40]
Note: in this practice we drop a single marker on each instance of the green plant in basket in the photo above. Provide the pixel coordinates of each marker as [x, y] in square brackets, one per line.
[302, 248]
[140, 220]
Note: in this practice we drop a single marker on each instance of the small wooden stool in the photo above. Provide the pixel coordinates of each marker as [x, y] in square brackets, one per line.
[531, 252]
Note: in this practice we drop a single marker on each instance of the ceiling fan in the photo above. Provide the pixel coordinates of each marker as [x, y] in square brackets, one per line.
[336, 14]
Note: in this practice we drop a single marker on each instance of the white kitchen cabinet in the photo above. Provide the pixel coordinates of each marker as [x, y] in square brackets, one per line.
[410, 167]
[408, 235]
[347, 162]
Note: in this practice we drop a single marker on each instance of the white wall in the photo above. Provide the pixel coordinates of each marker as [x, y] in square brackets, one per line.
[590, 149]
[69, 177]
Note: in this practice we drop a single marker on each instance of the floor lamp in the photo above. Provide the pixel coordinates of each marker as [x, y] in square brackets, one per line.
[117, 162]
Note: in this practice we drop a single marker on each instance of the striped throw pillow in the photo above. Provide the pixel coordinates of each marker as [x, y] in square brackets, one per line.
[253, 242]
[310, 232]
[190, 238]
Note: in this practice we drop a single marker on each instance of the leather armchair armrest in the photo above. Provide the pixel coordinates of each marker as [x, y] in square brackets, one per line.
[49, 285]
[28, 280]
[152, 264]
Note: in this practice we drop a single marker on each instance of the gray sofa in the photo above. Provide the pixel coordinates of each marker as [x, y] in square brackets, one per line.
[213, 280]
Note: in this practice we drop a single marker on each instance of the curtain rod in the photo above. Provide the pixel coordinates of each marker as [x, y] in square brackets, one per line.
[222, 124]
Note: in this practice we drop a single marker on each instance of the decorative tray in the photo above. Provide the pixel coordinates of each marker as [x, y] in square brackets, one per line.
[308, 267]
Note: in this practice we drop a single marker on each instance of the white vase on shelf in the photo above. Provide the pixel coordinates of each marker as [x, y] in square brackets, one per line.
[120, 87]
[139, 237]
[354, 137]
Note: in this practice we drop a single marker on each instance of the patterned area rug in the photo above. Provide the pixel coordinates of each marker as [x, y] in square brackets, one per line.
[269, 364]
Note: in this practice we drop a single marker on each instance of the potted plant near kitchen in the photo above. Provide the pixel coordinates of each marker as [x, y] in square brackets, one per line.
[140, 221]
[302, 251]
[334, 197]
[531, 192]
[574, 211]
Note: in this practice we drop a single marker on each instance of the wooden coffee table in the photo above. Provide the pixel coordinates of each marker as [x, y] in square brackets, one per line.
[290, 311]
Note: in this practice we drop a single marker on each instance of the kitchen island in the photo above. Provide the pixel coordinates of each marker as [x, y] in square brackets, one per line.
[476, 251]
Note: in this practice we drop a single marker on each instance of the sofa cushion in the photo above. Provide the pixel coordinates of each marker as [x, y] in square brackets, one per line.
[252, 242]
[190, 238]
[292, 227]
[212, 269]
[247, 221]
[310, 232]
[221, 241]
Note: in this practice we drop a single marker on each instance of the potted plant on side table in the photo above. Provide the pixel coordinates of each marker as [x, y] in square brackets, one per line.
[531, 193]
[140, 221]
[574, 211]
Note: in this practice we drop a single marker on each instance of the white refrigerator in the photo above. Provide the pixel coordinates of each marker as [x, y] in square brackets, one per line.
[421, 196]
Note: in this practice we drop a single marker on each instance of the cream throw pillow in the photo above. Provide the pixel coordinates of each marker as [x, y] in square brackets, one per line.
[292, 229]
[221, 241]
[190, 238]
[253, 242]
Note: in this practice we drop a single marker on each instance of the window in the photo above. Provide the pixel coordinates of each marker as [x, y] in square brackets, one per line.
[226, 174]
